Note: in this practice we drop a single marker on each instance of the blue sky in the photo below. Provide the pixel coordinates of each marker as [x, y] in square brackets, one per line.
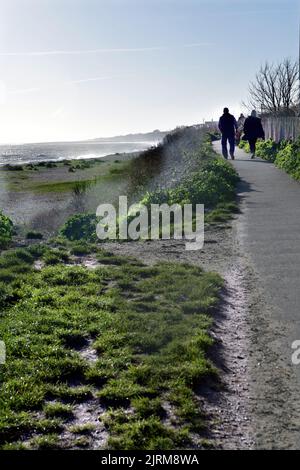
[76, 69]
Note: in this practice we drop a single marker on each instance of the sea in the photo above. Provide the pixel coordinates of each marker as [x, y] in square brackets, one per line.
[55, 152]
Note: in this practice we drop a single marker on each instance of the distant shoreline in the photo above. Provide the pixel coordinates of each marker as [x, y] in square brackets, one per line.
[79, 142]
[83, 156]
[124, 156]
[42, 196]
[137, 138]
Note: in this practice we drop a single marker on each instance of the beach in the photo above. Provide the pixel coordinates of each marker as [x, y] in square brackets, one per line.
[20, 154]
[42, 196]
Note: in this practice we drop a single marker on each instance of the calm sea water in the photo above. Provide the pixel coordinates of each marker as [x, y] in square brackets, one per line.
[34, 153]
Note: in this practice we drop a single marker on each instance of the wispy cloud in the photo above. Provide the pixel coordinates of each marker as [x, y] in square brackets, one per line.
[97, 79]
[100, 51]
[80, 81]
[22, 91]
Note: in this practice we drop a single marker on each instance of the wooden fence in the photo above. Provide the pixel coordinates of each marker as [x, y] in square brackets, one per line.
[278, 128]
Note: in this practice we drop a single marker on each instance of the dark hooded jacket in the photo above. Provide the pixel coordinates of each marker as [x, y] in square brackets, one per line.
[227, 124]
[253, 128]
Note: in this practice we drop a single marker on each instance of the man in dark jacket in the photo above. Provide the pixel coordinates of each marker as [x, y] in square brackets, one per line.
[253, 130]
[228, 127]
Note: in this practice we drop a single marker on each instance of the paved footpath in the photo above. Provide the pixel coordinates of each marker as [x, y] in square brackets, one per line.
[269, 229]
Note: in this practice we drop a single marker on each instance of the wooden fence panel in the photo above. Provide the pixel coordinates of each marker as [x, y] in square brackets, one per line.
[278, 128]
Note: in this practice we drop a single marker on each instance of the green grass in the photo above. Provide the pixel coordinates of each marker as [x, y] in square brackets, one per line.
[81, 249]
[149, 326]
[82, 442]
[55, 256]
[76, 177]
[68, 393]
[80, 186]
[148, 434]
[64, 186]
[47, 442]
[222, 213]
[83, 429]
[58, 410]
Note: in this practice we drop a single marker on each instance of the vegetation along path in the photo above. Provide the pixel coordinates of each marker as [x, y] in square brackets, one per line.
[101, 353]
[268, 232]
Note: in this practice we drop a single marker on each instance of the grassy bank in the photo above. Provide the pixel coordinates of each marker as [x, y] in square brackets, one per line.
[101, 349]
[285, 154]
[42, 197]
[150, 344]
[212, 182]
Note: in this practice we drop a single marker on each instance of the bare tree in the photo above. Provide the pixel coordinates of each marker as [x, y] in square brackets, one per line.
[275, 88]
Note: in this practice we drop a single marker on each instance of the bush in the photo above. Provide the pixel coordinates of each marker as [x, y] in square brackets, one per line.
[20, 254]
[244, 144]
[80, 227]
[54, 256]
[6, 294]
[267, 149]
[284, 154]
[50, 165]
[32, 235]
[80, 249]
[37, 250]
[288, 158]
[214, 184]
[13, 167]
[213, 136]
[6, 230]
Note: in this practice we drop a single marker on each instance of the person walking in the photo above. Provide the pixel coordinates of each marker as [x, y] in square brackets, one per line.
[228, 127]
[240, 126]
[253, 131]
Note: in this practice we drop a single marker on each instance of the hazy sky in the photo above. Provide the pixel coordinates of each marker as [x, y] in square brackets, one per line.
[76, 69]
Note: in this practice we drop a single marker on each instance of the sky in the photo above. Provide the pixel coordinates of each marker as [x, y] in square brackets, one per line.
[79, 69]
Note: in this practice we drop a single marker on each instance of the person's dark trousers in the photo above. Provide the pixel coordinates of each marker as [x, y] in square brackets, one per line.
[252, 143]
[231, 140]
